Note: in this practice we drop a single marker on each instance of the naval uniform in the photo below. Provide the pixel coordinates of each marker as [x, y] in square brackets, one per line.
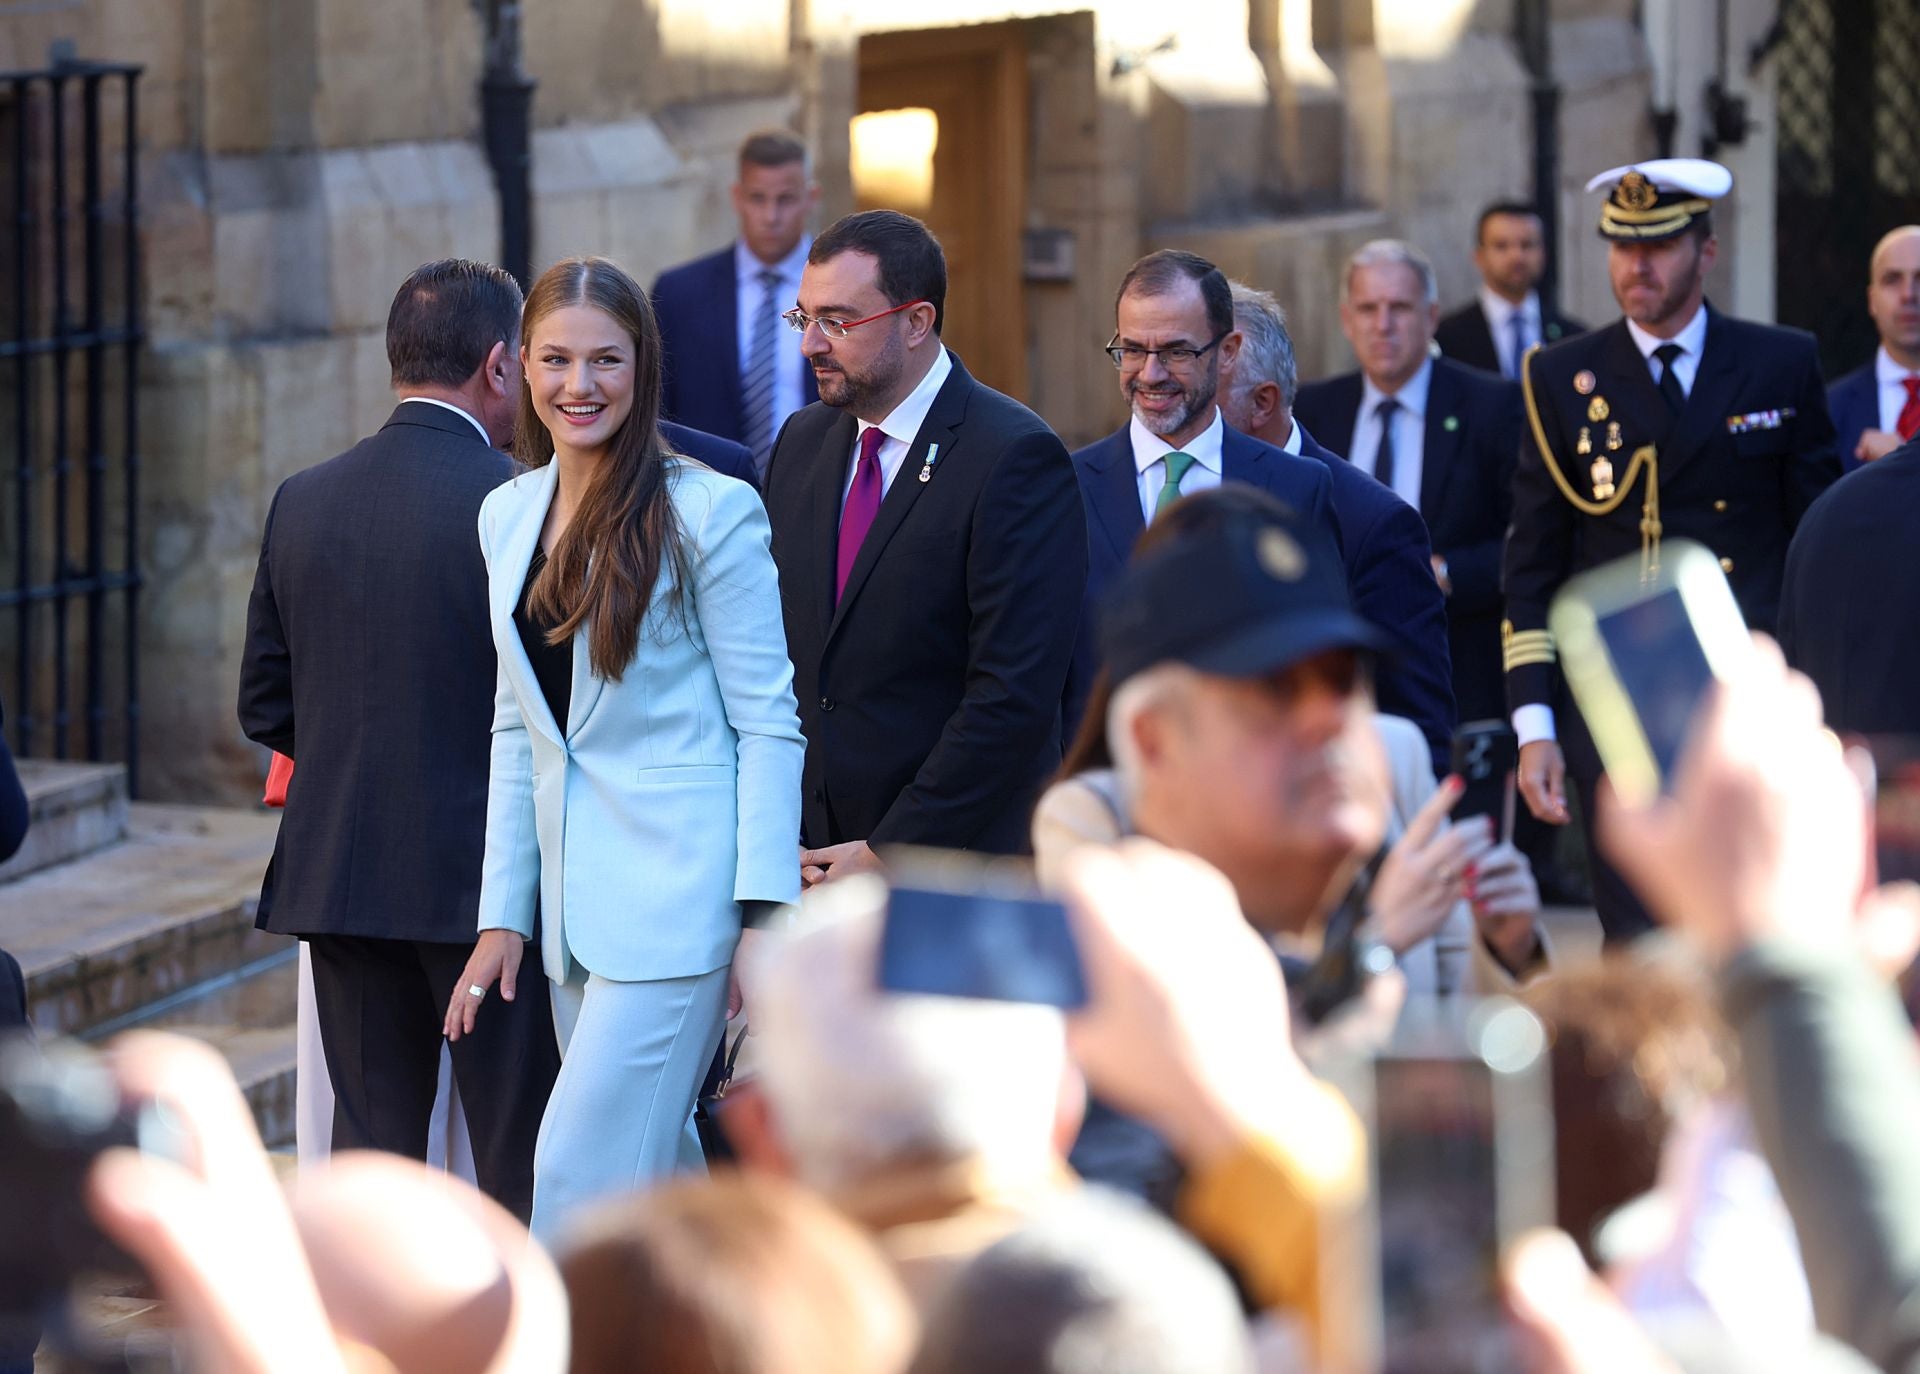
[1608, 469]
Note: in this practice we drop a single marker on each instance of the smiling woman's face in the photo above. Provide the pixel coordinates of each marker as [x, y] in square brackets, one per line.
[580, 367]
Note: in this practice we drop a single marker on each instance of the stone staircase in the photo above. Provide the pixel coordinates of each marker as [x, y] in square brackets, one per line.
[138, 915]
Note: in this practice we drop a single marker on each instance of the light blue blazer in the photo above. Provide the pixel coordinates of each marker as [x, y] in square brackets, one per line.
[667, 797]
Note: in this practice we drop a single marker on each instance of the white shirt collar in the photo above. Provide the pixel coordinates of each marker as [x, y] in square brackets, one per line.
[1886, 371]
[1499, 310]
[447, 405]
[747, 268]
[1412, 396]
[1204, 448]
[1294, 441]
[905, 419]
[1692, 339]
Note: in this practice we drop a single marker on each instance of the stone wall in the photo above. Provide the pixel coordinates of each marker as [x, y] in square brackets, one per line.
[301, 157]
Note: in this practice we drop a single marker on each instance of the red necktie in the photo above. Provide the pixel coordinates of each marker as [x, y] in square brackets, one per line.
[863, 503]
[1909, 422]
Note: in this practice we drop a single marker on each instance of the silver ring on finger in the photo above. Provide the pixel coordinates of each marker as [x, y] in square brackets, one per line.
[475, 990]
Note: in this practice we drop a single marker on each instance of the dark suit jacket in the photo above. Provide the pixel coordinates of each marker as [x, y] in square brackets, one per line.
[1466, 337]
[1740, 494]
[1390, 575]
[13, 993]
[930, 696]
[369, 661]
[1854, 402]
[1851, 597]
[722, 455]
[698, 305]
[1466, 480]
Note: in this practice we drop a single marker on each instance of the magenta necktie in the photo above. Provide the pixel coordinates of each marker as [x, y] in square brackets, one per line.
[863, 503]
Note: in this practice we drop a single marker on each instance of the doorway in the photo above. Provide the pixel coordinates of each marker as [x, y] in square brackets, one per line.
[941, 133]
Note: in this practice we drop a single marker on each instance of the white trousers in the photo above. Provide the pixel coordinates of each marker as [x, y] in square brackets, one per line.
[632, 1059]
[448, 1146]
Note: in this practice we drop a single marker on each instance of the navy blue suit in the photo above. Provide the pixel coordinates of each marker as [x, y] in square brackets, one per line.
[698, 305]
[722, 455]
[1109, 488]
[1466, 478]
[1854, 403]
[1390, 576]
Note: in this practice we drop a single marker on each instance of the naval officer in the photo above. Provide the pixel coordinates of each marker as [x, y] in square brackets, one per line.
[1675, 421]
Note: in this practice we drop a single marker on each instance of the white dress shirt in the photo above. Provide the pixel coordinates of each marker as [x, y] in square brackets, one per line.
[1409, 432]
[1149, 461]
[1499, 312]
[448, 405]
[1534, 721]
[788, 395]
[1692, 340]
[1893, 388]
[901, 427]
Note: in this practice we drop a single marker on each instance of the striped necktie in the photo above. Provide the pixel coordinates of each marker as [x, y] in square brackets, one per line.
[756, 383]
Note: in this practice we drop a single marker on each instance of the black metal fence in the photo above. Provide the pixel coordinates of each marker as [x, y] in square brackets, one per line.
[1849, 159]
[70, 334]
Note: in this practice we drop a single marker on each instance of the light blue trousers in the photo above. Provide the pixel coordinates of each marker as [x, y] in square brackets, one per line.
[633, 1057]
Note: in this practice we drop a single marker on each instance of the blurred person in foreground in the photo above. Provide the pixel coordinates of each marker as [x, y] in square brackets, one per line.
[1241, 728]
[1094, 1284]
[369, 1263]
[1876, 407]
[739, 1273]
[1383, 540]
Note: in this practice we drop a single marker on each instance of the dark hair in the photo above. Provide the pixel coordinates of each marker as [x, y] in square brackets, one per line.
[603, 571]
[446, 318]
[738, 1273]
[772, 148]
[1505, 207]
[1203, 512]
[1158, 273]
[912, 267]
[1702, 226]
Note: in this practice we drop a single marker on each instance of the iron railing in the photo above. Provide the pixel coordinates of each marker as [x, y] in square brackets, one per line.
[71, 367]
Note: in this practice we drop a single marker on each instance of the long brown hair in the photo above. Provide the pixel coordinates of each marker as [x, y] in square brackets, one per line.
[604, 569]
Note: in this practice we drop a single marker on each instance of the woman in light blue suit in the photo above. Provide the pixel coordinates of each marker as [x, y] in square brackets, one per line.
[645, 785]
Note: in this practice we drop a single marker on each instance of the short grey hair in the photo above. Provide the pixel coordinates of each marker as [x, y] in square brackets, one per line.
[1392, 253]
[1144, 691]
[860, 1079]
[1266, 349]
[1096, 1283]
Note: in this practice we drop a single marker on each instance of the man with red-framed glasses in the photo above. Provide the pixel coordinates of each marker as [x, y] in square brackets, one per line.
[932, 557]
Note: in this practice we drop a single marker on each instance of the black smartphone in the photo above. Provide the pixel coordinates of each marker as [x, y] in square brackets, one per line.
[1640, 649]
[1486, 755]
[59, 1109]
[962, 927]
[1462, 1130]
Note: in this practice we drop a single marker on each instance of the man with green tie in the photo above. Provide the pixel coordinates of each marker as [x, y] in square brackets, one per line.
[1173, 330]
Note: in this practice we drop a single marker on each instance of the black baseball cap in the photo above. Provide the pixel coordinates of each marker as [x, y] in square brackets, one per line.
[1245, 597]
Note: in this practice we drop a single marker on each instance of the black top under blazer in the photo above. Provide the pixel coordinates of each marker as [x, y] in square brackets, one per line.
[930, 697]
[369, 661]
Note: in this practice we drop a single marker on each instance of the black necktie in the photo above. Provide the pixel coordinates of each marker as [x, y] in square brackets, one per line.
[1669, 354]
[1383, 456]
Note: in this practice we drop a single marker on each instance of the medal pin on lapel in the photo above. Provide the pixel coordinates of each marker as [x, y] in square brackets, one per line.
[926, 467]
[1450, 424]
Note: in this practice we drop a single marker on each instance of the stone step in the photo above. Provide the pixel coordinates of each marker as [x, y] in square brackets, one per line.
[167, 909]
[74, 809]
[248, 1015]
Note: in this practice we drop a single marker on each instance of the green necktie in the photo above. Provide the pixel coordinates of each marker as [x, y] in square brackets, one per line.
[1177, 465]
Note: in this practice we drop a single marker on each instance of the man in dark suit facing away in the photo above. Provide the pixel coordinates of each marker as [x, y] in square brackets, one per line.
[1442, 435]
[730, 368]
[722, 455]
[369, 661]
[1876, 407]
[1173, 332]
[932, 554]
[1388, 559]
[1494, 331]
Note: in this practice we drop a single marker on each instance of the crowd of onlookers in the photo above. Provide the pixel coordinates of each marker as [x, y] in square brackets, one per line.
[1206, 673]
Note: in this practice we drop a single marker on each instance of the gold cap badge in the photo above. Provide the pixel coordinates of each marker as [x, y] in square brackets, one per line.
[1282, 558]
[1636, 192]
